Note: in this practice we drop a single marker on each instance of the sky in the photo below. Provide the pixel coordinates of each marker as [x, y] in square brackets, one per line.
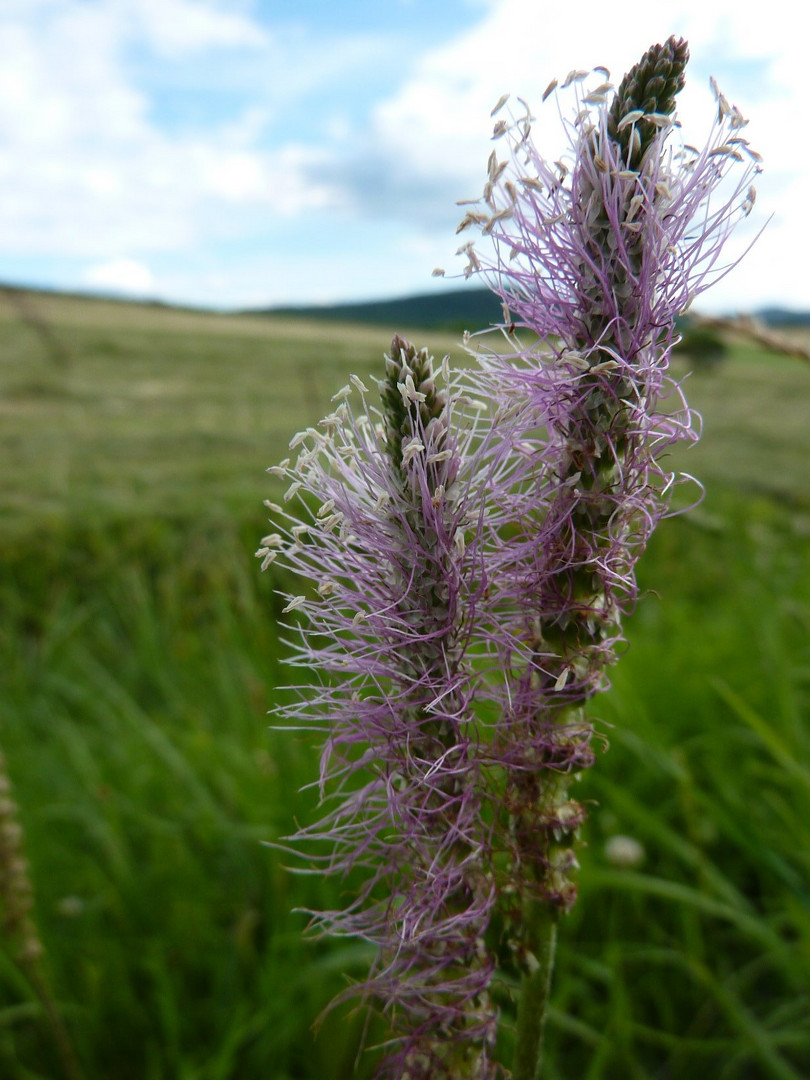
[252, 153]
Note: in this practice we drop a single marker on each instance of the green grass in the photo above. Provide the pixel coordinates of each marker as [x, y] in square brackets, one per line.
[158, 412]
[698, 963]
[138, 655]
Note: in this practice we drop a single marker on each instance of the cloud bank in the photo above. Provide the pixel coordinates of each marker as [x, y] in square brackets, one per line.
[240, 159]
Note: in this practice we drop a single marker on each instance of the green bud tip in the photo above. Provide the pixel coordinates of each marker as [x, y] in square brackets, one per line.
[650, 86]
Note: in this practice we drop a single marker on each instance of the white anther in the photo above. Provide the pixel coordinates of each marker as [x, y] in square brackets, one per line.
[629, 118]
[411, 450]
[329, 523]
[577, 75]
[562, 679]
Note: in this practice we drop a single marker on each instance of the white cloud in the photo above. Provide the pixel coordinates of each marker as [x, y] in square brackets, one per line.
[178, 26]
[86, 168]
[90, 168]
[121, 276]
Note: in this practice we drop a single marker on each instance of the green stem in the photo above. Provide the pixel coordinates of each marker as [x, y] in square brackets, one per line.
[534, 992]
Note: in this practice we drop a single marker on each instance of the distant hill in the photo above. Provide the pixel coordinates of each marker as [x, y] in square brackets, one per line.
[460, 309]
[774, 316]
[456, 310]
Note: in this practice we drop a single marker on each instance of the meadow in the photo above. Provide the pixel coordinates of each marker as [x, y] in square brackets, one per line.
[139, 656]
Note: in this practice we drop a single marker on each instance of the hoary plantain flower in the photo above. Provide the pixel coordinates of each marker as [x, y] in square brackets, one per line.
[466, 573]
[378, 532]
[593, 257]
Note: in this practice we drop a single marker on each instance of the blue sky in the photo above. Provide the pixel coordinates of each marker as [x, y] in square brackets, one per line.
[239, 153]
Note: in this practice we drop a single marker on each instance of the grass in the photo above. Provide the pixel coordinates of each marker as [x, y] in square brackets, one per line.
[158, 412]
[709, 941]
[138, 655]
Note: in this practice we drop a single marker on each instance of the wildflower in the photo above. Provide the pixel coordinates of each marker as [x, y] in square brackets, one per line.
[608, 245]
[386, 624]
[593, 256]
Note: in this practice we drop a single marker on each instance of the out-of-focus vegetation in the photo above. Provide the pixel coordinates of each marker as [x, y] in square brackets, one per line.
[702, 347]
[139, 653]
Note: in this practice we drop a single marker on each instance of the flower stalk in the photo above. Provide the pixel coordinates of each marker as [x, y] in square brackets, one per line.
[389, 617]
[599, 264]
[18, 924]
[542, 920]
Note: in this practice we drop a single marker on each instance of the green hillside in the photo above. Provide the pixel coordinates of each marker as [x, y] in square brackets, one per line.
[456, 310]
[139, 654]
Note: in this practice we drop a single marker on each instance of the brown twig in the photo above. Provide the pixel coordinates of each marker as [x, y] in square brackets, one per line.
[747, 327]
[18, 926]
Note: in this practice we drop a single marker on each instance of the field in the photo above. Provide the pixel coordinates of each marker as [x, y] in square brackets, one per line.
[138, 657]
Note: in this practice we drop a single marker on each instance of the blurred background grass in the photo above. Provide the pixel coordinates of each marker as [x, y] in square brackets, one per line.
[138, 655]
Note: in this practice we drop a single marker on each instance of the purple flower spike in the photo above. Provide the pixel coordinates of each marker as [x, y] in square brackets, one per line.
[595, 252]
[593, 256]
[379, 537]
